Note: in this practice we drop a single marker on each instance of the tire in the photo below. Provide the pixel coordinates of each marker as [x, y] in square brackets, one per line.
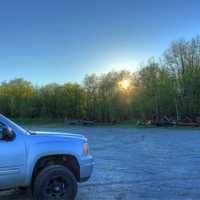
[55, 182]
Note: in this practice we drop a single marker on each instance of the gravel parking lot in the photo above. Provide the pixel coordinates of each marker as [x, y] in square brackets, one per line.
[137, 164]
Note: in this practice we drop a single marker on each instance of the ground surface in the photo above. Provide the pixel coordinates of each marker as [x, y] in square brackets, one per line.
[137, 164]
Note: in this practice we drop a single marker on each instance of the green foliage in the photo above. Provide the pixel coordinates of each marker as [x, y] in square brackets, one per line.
[19, 99]
[105, 102]
[170, 87]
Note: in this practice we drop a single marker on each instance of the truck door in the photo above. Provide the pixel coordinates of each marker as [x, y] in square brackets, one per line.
[12, 161]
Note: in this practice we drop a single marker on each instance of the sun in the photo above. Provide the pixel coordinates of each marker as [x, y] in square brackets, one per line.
[124, 84]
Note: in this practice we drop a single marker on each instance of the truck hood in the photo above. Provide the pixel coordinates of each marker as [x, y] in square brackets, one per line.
[58, 135]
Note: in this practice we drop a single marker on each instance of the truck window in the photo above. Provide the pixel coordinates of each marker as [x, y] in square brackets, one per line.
[1, 130]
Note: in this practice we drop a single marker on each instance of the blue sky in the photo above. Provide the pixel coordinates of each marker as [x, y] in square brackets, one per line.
[62, 40]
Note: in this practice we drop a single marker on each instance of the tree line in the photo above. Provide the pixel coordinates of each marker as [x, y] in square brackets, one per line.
[167, 87]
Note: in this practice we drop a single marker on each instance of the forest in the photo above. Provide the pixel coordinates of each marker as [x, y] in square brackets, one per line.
[165, 86]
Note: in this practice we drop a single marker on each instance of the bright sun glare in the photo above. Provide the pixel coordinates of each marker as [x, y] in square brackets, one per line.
[124, 84]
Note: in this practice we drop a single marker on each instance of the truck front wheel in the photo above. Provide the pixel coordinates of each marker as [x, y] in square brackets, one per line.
[55, 182]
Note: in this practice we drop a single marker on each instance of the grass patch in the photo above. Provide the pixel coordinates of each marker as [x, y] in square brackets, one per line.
[59, 123]
[39, 122]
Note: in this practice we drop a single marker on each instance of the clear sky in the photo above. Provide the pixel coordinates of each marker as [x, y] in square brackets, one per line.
[62, 40]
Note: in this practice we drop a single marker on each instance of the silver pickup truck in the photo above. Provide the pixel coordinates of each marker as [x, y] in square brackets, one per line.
[50, 164]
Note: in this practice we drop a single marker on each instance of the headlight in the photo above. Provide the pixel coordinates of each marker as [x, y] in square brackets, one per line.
[86, 149]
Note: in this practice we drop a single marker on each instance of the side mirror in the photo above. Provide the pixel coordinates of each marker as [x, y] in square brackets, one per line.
[8, 134]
